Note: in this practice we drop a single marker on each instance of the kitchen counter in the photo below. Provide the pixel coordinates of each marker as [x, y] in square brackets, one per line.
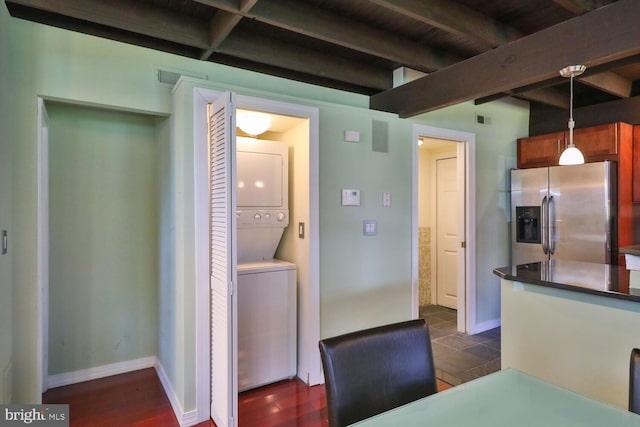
[610, 281]
[573, 324]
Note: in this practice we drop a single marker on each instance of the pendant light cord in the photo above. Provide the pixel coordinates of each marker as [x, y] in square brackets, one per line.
[571, 122]
[571, 99]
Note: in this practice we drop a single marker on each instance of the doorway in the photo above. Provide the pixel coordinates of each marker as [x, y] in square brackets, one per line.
[444, 250]
[98, 281]
[308, 286]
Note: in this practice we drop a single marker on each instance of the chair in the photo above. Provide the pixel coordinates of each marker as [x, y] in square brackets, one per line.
[634, 381]
[371, 371]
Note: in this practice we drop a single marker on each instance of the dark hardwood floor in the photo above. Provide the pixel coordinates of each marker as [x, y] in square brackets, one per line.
[138, 399]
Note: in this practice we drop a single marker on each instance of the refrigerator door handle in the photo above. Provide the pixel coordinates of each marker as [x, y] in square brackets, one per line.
[545, 226]
[551, 245]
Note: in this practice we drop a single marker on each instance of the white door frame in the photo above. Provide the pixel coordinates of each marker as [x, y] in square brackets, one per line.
[309, 366]
[43, 250]
[466, 227]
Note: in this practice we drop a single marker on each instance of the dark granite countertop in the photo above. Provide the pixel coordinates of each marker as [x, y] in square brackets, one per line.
[605, 280]
[631, 250]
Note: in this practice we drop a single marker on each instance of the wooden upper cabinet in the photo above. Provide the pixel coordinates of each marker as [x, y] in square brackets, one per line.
[598, 143]
[537, 151]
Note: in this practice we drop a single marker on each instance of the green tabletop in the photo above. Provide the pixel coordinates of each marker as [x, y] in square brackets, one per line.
[505, 398]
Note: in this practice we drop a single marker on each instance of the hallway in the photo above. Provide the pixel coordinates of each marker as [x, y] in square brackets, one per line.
[460, 357]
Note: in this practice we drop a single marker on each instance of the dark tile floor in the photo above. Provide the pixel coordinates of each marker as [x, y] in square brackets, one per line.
[460, 357]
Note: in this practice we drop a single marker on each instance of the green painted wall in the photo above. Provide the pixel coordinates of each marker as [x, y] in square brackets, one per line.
[6, 293]
[103, 219]
[364, 281]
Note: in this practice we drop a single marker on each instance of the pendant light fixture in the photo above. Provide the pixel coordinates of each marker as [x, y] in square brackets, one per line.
[571, 155]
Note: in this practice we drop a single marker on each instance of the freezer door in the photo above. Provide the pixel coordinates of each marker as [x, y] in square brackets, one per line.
[529, 188]
[581, 212]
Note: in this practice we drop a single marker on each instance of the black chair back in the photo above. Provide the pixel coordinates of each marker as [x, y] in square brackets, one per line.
[371, 371]
[634, 381]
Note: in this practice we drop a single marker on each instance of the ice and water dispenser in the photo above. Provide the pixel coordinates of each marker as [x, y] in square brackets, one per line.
[528, 224]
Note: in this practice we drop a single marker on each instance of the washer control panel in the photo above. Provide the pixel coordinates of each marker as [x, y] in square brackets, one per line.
[263, 217]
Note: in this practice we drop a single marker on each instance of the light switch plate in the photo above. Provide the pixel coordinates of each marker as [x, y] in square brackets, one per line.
[369, 227]
[350, 197]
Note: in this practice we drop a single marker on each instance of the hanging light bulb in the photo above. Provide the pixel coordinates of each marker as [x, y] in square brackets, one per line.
[571, 155]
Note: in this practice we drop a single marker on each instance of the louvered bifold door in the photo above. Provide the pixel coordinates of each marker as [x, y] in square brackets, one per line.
[222, 261]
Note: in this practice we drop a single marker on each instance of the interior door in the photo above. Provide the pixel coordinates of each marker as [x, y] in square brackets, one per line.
[223, 261]
[447, 232]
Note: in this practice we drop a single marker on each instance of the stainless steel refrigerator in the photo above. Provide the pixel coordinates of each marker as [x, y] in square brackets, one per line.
[564, 212]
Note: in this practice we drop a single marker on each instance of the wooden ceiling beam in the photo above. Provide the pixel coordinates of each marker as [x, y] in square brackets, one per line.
[459, 19]
[595, 38]
[455, 18]
[221, 25]
[295, 16]
[131, 16]
[547, 96]
[289, 56]
[609, 82]
[579, 7]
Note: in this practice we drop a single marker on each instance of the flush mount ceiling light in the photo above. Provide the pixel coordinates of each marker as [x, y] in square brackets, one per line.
[571, 155]
[253, 123]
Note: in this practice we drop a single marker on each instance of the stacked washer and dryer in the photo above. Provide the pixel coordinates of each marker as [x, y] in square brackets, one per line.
[267, 302]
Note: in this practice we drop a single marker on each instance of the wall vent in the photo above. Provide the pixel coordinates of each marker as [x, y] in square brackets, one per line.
[170, 77]
[481, 119]
[380, 136]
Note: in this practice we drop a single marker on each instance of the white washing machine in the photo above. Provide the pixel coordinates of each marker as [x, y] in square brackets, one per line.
[267, 302]
[267, 319]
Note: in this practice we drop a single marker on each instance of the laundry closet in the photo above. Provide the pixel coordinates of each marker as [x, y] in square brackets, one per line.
[267, 235]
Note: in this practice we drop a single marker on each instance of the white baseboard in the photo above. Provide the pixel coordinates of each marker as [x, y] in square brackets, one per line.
[485, 326]
[67, 378]
[184, 418]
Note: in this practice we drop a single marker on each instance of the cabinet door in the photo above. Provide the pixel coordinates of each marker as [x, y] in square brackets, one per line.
[597, 142]
[537, 151]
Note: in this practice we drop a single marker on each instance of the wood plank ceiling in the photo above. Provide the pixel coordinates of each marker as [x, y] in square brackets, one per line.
[467, 49]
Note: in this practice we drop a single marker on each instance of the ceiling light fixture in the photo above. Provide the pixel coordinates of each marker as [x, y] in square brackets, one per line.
[253, 123]
[571, 155]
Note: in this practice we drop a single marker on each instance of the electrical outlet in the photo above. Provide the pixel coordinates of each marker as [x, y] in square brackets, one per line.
[386, 200]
